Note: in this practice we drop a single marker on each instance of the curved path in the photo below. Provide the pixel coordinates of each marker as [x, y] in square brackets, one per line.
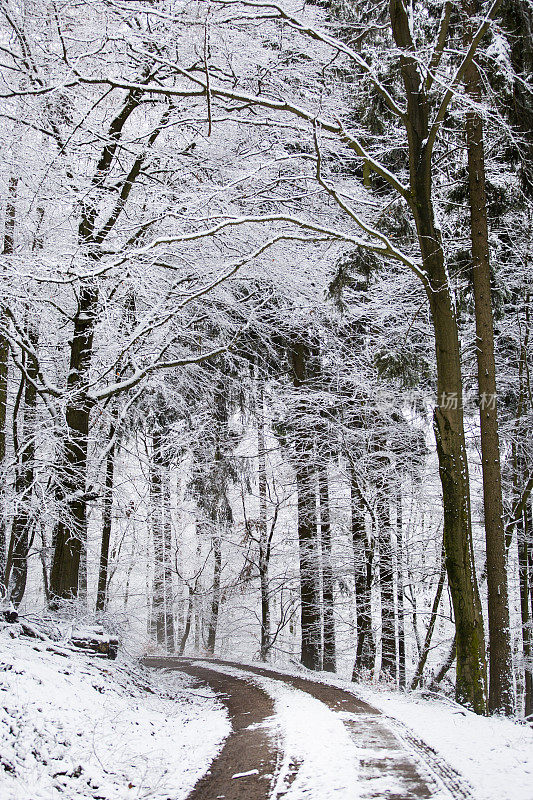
[247, 764]
[393, 765]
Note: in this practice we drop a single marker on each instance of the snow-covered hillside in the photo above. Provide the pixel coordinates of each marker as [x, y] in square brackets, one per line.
[76, 726]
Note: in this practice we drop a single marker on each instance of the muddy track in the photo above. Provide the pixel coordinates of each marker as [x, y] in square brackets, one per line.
[394, 764]
[249, 751]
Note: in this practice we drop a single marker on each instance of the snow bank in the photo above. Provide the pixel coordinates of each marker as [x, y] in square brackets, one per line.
[495, 755]
[72, 726]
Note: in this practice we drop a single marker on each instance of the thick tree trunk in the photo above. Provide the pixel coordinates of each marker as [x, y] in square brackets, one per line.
[471, 679]
[500, 654]
[328, 598]
[305, 367]
[70, 535]
[71, 531]
[363, 560]
[263, 525]
[107, 520]
[309, 574]
[449, 432]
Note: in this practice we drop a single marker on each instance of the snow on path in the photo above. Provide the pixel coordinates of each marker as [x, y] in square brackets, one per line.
[495, 754]
[314, 738]
[322, 758]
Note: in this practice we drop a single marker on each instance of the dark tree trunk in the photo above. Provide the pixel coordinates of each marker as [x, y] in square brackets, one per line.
[107, 520]
[303, 359]
[363, 562]
[500, 655]
[471, 683]
[70, 535]
[71, 531]
[215, 597]
[328, 598]
[401, 609]
[263, 526]
[309, 562]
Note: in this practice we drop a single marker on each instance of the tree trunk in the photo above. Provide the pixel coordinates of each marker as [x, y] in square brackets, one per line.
[386, 584]
[446, 665]
[500, 655]
[417, 679]
[304, 363]
[328, 607]
[24, 521]
[401, 609]
[71, 531]
[471, 680]
[363, 560]
[107, 519]
[215, 598]
[524, 534]
[309, 584]
[9, 241]
[188, 621]
[156, 513]
[70, 535]
[168, 569]
[263, 525]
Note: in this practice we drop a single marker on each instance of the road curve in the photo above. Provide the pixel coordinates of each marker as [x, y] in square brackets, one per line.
[249, 751]
[392, 763]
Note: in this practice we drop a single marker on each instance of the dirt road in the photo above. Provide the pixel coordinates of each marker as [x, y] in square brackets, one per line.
[393, 765]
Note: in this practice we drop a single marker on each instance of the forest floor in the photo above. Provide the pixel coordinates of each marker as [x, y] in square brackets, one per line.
[77, 726]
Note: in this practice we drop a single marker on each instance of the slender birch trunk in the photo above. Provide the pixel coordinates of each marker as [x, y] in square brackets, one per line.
[263, 524]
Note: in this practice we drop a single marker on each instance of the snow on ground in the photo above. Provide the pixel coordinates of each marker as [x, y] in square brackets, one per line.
[75, 726]
[495, 755]
[314, 738]
[321, 759]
